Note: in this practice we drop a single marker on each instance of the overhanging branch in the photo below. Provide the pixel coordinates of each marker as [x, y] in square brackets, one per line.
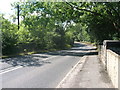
[75, 7]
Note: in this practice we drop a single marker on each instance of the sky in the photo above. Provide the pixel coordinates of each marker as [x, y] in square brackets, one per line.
[5, 7]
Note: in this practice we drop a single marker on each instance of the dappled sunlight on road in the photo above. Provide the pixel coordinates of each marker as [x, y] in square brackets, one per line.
[39, 59]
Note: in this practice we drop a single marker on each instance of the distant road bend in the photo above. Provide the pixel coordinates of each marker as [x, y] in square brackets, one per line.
[42, 70]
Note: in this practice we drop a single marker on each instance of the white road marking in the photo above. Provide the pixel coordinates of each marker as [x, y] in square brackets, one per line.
[17, 67]
[9, 69]
[81, 62]
[49, 58]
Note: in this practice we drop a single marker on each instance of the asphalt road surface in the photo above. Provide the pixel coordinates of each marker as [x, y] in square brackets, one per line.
[41, 70]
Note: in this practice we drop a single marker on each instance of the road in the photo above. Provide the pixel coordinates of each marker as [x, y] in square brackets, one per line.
[41, 70]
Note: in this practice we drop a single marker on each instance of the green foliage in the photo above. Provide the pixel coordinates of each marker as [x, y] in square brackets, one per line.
[104, 24]
[9, 36]
[55, 25]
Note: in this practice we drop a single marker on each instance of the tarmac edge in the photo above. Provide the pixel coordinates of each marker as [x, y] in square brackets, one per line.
[74, 70]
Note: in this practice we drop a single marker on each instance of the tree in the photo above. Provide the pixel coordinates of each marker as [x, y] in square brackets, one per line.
[9, 36]
[55, 25]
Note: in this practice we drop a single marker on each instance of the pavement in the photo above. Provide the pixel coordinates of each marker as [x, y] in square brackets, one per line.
[89, 74]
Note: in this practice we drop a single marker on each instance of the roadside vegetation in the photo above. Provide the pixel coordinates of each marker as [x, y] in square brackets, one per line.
[50, 26]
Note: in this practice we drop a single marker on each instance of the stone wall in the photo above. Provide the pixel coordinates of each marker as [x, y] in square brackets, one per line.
[113, 66]
[102, 54]
[109, 54]
[111, 62]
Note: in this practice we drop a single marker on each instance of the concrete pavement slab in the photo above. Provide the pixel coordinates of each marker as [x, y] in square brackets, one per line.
[92, 75]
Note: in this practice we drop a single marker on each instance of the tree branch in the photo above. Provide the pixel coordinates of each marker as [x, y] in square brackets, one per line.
[75, 7]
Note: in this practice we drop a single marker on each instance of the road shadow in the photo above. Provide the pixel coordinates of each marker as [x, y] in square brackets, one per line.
[67, 53]
[27, 60]
[73, 53]
[78, 50]
[37, 60]
[79, 45]
[92, 53]
[83, 49]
